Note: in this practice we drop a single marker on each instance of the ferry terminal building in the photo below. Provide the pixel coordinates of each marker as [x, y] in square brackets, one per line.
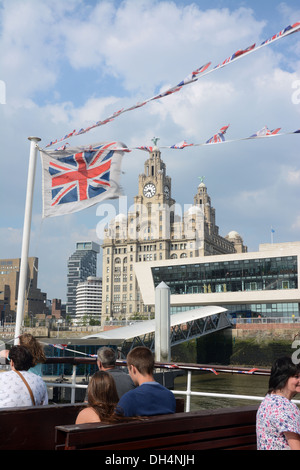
[255, 284]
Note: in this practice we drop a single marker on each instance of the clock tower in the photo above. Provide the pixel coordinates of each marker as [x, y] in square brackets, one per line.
[154, 184]
[154, 204]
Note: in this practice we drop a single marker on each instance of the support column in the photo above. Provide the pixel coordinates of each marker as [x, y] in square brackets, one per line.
[162, 323]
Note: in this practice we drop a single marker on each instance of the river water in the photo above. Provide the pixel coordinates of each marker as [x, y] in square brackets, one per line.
[225, 383]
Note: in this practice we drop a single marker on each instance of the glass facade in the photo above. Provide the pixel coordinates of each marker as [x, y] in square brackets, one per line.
[282, 310]
[81, 265]
[230, 276]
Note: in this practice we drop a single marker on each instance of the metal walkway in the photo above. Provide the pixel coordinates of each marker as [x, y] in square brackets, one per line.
[184, 326]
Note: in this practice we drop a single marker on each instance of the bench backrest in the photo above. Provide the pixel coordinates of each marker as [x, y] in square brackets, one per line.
[231, 428]
[28, 428]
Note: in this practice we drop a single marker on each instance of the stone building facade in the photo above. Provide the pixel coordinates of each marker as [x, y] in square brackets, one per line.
[156, 228]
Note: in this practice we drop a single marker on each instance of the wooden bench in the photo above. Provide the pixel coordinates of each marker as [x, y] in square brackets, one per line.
[28, 428]
[220, 429]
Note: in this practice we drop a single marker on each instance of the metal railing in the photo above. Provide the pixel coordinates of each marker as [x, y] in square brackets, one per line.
[262, 320]
[188, 393]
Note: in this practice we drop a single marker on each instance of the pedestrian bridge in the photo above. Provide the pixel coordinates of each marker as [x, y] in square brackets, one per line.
[184, 326]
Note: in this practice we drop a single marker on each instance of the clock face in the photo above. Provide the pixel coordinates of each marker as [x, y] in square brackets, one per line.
[149, 190]
[166, 191]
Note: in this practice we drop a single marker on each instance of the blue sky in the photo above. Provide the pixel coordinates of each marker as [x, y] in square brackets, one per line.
[68, 64]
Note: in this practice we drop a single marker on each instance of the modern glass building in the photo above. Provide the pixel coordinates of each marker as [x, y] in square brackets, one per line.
[81, 264]
[264, 283]
[230, 276]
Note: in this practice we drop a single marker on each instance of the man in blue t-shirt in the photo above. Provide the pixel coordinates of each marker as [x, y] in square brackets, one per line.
[149, 397]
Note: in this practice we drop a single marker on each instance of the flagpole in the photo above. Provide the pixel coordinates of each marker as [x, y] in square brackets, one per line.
[26, 235]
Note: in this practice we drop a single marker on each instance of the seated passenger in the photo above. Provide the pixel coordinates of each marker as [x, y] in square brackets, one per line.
[37, 351]
[19, 387]
[149, 397]
[278, 419]
[106, 361]
[102, 399]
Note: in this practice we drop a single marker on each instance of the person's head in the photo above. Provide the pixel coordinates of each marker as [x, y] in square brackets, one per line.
[282, 370]
[106, 358]
[36, 349]
[21, 358]
[142, 359]
[102, 394]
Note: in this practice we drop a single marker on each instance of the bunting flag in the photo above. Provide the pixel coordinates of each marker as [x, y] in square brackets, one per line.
[234, 56]
[79, 177]
[218, 137]
[193, 77]
[144, 147]
[181, 145]
[265, 132]
[250, 372]
[59, 346]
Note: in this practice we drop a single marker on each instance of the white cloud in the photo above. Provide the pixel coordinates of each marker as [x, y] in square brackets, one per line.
[296, 224]
[293, 176]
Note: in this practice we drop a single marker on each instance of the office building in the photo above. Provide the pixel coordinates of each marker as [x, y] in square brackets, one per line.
[81, 264]
[35, 300]
[89, 300]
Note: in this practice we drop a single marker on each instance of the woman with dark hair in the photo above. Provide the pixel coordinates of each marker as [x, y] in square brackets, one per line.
[19, 387]
[278, 419]
[102, 400]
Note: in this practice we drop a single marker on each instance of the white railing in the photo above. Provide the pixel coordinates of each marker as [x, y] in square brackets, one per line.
[188, 392]
[263, 320]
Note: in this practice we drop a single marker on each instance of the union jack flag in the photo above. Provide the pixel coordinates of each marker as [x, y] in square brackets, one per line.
[181, 145]
[265, 132]
[76, 178]
[218, 137]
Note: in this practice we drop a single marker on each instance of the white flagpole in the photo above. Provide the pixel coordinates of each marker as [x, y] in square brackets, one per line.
[26, 235]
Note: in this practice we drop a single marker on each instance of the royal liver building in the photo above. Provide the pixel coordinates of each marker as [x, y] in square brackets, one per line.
[156, 228]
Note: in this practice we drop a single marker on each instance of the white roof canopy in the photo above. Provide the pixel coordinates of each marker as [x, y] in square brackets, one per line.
[148, 326]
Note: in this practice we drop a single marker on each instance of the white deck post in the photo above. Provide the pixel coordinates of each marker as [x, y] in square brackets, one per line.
[162, 323]
[26, 236]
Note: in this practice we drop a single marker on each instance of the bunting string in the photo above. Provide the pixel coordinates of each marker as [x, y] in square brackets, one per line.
[167, 366]
[191, 78]
[218, 138]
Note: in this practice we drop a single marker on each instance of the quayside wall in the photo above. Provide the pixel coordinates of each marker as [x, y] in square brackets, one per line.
[250, 345]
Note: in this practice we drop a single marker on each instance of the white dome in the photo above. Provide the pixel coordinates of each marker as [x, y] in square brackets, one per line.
[233, 234]
[194, 210]
[120, 217]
